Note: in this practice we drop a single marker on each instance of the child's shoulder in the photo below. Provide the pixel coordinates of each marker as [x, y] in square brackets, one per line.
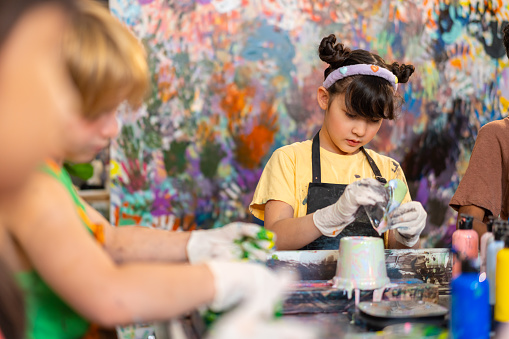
[295, 149]
[31, 204]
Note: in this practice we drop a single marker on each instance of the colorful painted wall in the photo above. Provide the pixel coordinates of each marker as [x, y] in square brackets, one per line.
[235, 79]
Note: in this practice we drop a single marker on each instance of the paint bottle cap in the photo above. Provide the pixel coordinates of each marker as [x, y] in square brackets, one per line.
[499, 229]
[489, 224]
[469, 267]
[466, 222]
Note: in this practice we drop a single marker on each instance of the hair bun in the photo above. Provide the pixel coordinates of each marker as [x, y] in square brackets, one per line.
[403, 72]
[332, 53]
[506, 39]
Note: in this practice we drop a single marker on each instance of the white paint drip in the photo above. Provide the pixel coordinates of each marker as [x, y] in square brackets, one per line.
[357, 296]
[378, 294]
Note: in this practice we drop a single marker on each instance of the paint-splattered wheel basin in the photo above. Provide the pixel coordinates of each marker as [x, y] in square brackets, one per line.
[402, 309]
[361, 264]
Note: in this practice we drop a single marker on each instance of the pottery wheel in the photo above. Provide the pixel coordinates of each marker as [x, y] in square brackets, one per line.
[402, 309]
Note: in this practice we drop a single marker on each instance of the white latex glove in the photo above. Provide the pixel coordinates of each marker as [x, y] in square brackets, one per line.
[254, 317]
[332, 219]
[237, 282]
[408, 220]
[218, 244]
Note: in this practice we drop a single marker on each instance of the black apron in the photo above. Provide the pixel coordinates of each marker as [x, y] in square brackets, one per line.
[321, 195]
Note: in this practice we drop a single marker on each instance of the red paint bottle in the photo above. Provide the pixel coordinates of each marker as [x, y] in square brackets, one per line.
[465, 241]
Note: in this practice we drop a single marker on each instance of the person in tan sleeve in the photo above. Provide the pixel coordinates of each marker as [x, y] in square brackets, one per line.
[484, 189]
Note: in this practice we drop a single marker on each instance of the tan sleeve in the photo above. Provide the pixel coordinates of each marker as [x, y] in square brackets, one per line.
[276, 183]
[482, 184]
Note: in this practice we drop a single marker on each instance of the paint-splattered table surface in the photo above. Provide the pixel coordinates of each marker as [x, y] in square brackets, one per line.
[431, 265]
[432, 268]
[328, 326]
[421, 274]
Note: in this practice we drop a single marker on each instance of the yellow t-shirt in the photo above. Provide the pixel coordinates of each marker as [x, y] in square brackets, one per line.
[287, 175]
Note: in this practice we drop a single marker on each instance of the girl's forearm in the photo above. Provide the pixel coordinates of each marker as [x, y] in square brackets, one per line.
[135, 243]
[294, 233]
[134, 293]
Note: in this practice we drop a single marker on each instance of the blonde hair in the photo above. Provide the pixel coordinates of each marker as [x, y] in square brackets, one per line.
[106, 62]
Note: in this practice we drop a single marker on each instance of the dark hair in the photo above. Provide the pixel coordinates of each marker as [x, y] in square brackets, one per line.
[12, 308]
[506, 39]
[12, 10]
[368, 96]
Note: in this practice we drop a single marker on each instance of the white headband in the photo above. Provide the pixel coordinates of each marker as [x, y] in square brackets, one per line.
[362, 69]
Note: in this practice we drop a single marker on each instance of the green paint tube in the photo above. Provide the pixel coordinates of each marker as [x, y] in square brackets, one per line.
[264, 240]
[378, 214]
[397, 192]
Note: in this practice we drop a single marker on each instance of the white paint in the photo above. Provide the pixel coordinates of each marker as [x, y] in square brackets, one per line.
[378, 294]
[225, 6]
[357, 296]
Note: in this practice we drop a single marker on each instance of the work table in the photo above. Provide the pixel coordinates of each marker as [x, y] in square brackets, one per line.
[314, 301]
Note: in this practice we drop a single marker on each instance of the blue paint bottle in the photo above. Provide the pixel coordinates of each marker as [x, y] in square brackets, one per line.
[470, 307]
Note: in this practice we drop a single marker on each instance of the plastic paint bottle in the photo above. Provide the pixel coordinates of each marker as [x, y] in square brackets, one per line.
[465, 241]
[502, 284]
[499, 231]
[470, 308]
[486, 239]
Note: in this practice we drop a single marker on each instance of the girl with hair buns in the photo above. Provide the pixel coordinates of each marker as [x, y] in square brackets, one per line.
[304, 194]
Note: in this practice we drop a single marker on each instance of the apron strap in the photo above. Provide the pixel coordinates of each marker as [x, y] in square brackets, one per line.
[317, 169]
[374, 167]
[315, 159]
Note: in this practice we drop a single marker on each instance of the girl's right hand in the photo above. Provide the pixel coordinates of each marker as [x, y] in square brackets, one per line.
[331, 220]
[255, 316]
[236, 283]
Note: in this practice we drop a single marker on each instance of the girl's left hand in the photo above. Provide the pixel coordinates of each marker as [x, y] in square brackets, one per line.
[408, 220]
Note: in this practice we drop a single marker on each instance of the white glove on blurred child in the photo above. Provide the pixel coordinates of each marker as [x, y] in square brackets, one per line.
[332, 219]
[219, 243]
[254, 316]
[238, 325]
[408, 220]
[237, 282]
